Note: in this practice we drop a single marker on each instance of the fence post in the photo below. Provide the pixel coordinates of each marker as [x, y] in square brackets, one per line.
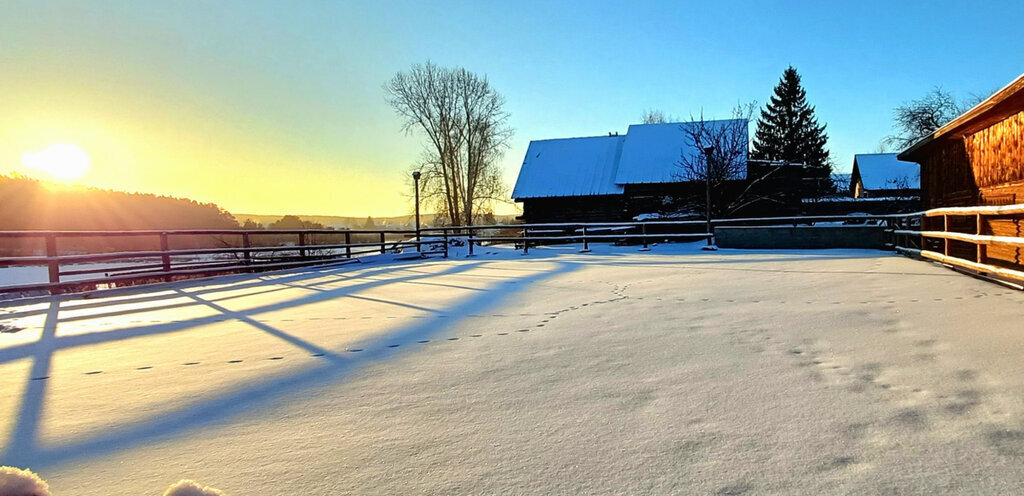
[945, 228]
[586, 246]
[348, 244]
[981, 246]
[444, 234]
[643, 230]
[165, 259]
[383, 249]
[302, 242]
[526, 242]
[469, 239]
[246, 255]
[52, 266]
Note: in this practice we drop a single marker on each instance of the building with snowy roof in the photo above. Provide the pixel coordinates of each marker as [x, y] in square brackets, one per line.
[608, 178]
[877, 175]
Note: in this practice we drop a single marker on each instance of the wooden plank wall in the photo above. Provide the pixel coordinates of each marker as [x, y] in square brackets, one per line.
[997, 153]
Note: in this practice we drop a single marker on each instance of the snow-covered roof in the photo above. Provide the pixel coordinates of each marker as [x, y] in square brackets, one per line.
[885, 171]
[601, 165]
[651, 152]
[570, 167]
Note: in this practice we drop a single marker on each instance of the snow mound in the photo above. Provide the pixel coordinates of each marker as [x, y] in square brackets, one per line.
[17, 482]
[186, 487]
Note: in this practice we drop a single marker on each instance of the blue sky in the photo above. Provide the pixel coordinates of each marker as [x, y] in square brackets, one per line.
[284, 99]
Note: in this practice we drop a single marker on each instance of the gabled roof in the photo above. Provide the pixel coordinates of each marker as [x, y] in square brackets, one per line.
[652, 152]
[570, 167]
[601, 165]
[885, 171]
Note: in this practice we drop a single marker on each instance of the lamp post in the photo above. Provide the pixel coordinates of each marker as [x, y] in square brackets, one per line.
[416, 188]
[708, 151]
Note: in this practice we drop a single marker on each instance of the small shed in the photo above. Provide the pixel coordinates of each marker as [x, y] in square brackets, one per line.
[883, 175]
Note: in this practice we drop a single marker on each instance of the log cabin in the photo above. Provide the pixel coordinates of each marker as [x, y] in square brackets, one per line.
[977, 159]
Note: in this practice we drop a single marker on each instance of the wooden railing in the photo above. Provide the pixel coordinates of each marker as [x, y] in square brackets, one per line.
[966, 238]
[241, 254]
[523, 236]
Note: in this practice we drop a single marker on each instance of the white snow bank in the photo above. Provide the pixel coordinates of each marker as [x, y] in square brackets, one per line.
[18, 482]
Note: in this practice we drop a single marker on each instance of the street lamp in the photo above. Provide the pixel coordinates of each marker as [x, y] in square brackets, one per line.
[708, 152]
[416, 188]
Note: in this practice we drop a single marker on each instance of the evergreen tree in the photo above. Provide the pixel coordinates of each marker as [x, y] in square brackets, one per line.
[788, 131]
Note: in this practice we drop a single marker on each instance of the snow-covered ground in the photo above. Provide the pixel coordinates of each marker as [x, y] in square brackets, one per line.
[673, 371]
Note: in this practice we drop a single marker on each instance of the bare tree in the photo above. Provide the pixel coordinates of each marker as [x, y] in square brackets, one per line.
[653, 116]
[716, 153]
[917, 119]
[464, 121]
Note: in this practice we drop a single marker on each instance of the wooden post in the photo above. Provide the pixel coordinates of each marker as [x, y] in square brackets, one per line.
[444, 234]
[302, 242]
[348, 244]
[526, 242]
[981, 246]
[246, 255]
[586, 246]
[945, 228]
[383, 249]
[52, 266]
[165, 258]
[643, 230]
[470, 241]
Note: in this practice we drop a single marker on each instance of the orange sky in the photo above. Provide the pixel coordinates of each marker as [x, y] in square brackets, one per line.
[255, 110]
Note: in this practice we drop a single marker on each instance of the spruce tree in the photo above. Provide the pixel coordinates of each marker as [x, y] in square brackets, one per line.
[788, 130]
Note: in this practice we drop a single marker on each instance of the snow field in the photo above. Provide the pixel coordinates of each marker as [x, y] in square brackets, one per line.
[671, 372]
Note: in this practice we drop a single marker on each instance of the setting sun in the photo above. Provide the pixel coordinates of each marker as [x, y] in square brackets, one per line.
[61, 160]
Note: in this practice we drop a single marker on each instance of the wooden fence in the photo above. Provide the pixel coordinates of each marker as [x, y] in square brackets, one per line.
[241, 251]
[985, 241]
[523, 236]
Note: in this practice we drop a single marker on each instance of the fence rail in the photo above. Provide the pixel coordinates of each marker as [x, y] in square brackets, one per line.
[244, 255]
[166, 264]
[966, 240]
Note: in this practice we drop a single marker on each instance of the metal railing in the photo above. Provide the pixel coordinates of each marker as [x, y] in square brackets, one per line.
[241, 254]
[937, 244]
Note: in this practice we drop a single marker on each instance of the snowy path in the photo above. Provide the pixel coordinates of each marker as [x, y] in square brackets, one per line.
[670, 372]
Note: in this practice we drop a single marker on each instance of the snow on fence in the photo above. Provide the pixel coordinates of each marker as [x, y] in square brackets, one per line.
[916, 242]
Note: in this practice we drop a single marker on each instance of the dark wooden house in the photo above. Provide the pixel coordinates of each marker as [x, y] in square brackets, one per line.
[608, 178]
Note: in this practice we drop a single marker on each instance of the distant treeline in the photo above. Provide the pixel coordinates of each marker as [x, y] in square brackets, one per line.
[29, 204]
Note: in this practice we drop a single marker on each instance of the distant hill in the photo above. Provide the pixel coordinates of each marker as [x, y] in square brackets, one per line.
[30, 204]
[27, 203]
[338, 222]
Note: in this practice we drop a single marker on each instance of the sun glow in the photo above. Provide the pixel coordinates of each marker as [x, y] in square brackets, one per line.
[61, 160]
